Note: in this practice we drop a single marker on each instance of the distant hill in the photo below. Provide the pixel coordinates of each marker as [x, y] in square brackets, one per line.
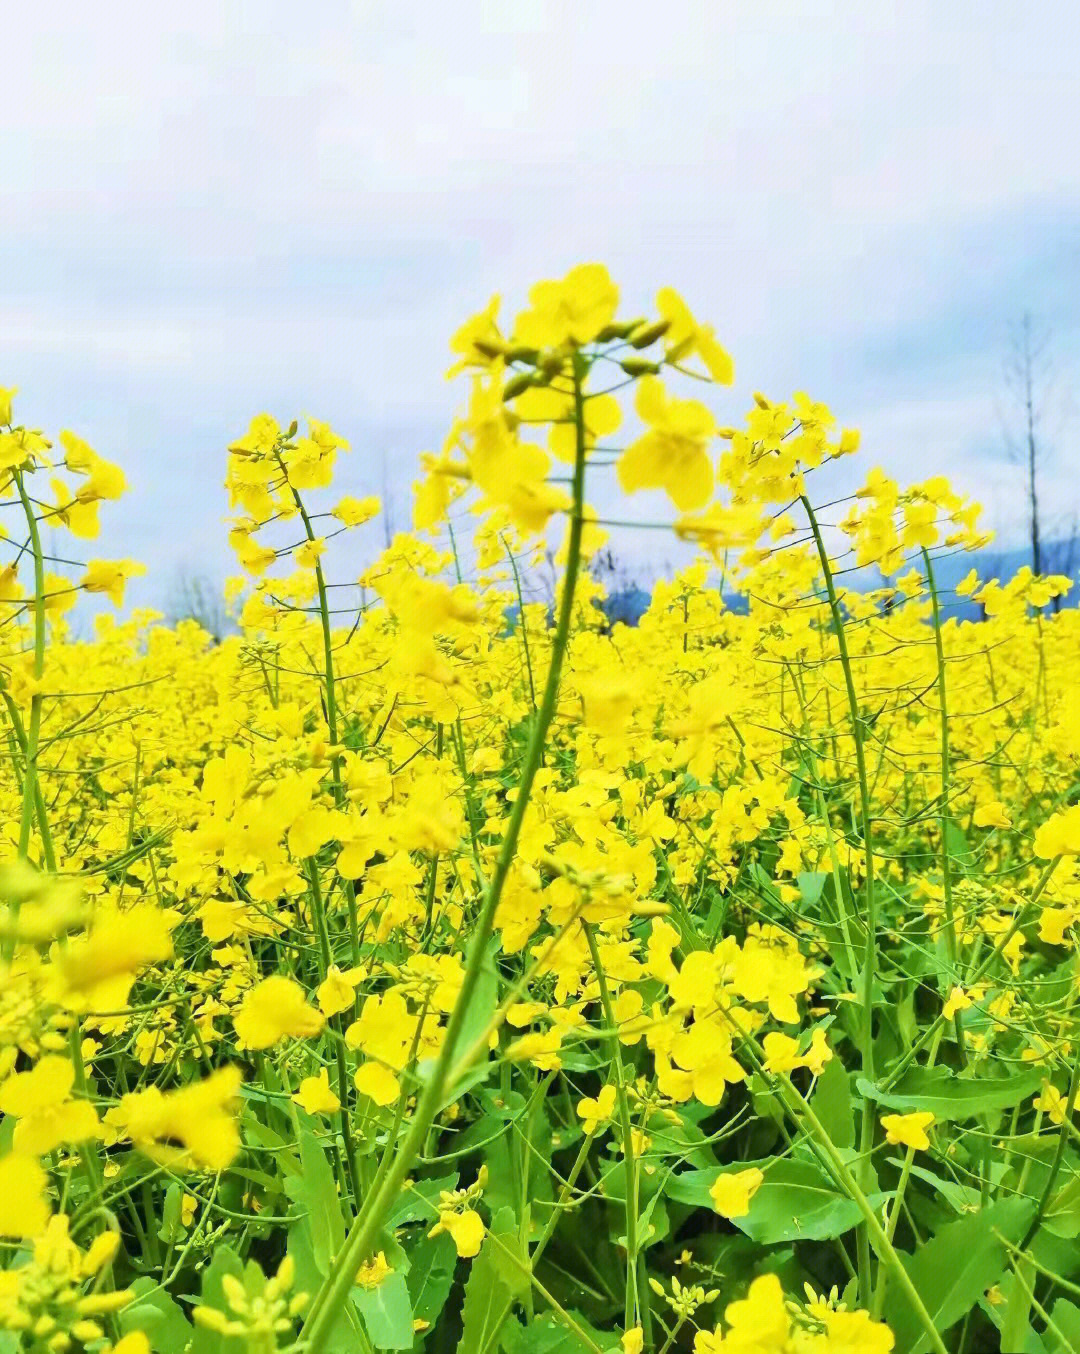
[629, 603]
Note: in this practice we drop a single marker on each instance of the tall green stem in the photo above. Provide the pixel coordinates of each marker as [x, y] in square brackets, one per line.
[870, 909]
[334, 1291]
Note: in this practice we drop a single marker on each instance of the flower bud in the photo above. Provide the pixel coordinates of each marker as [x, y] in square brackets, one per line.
[517, 385]
[619, 329]
[644, 337]
[639, 366]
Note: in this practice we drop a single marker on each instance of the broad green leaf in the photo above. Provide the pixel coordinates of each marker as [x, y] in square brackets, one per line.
[831, 1102]
[489, 1297]
[387, 1312]
[170, 1213]
[508, 1255]
[546, 1335]
[960, 1198]
[160, 1319]
[954, 1269]
[795, 1202]
[316, 1192]
[1066, 1317]
[431, 1276]
[952, 1097]
[417, 1204]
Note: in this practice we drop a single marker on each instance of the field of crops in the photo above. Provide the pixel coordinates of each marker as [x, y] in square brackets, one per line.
[455, 972]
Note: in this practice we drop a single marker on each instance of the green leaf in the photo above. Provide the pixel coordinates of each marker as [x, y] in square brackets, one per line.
[953, 1270]
[170, 1213]
[951, 1097]
[225, 1261]
[431, 1276]
[1062, 1216]
[159, 1318]
[417, 1204]
[487, 1300]
[1066, 1317]
[795, 1202]
[547, 1336]
[482, 1006]
[508, 1254]
[316, 1192]
[387, 1312]
[960, 1198]
[831, 1102]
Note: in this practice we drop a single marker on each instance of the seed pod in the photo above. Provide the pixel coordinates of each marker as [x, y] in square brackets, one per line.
[639, 366]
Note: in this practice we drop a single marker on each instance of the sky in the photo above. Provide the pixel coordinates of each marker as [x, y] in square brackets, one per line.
[217, 208]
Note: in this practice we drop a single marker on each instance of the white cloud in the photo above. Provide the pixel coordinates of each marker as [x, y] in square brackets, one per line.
[227, 204]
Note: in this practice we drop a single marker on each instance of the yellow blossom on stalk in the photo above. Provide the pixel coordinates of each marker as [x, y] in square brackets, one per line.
[314, 1095]
[23, 1207]
[276, 1008]
[1052, 1102]
[354, 512]
[991, 814]
[1059, 835]
[190, 1128]
[573, 310]
[673, 454]
[686, 337]
[110, 577]
[908, 1129]
[596, 1111]
[732, 1191]
[47, 1114]
[372, 1272]
[460, 1219]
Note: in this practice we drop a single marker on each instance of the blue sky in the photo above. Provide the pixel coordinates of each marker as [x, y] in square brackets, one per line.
[216, 208]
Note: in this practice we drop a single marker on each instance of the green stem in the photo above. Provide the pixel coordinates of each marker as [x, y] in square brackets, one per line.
[870, 910]
[635, 1299]
[335, 1289]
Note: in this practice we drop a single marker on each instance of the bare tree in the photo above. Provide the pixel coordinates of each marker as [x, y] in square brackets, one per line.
[194, 597]
[1029, 378]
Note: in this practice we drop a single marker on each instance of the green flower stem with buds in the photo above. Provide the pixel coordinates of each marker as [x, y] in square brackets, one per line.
[334, 1292]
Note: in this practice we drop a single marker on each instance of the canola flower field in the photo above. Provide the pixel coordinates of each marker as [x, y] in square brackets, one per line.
[398, 977]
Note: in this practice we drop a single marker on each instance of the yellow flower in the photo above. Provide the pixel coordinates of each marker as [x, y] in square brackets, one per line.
[908, 1129]
[674, 454]
[573, 310]
[372, 1272]
[336, 992]
[275, 1009]
[466, 1229]
[732, 1191]
[315, 1096]
[7, 394]
[991, 814]
[23, 1209]
[40, 1100]
[354, 512]
[685, 336]
[593, 1113]
[194, 1126]
[958, 1000]
[378, 1082]
[1059, 835]
[110, 576]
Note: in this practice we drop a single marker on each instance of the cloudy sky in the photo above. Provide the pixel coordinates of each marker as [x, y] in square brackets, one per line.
[220, 207]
